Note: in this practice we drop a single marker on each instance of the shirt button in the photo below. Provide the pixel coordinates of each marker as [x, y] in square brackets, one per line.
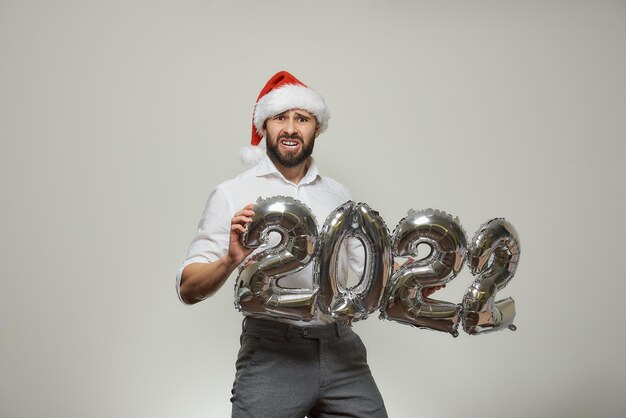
[305, 332]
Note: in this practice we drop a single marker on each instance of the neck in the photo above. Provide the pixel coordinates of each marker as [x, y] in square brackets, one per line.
[294, 174]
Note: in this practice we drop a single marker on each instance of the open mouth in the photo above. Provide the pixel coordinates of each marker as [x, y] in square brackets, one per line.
[290, 143]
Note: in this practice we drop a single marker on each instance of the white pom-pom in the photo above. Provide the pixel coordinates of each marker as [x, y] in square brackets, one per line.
[251, 155]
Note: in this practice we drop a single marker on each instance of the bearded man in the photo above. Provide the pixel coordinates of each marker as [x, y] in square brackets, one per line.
[285, 367]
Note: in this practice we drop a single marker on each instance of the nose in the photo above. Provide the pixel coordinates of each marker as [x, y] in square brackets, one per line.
[291, 126]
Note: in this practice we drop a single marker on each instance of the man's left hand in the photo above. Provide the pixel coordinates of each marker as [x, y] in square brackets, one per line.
[427, 291]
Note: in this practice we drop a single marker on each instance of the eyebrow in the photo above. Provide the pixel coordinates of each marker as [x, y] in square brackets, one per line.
[298, 114]
[302, 115]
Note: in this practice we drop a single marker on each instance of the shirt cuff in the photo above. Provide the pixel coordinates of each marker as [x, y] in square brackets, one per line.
[179, 274]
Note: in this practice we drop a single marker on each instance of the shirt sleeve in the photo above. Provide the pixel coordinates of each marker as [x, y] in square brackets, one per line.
[211, 239]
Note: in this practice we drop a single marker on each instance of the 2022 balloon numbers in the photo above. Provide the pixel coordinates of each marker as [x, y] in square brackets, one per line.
[492, 255]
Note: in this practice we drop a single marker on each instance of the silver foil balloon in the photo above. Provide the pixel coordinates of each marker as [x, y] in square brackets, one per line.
[493, 255]
[404, 301]
[257, 289]
[349, 304]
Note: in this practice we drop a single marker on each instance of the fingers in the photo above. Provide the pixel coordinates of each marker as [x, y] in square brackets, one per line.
[247, 208]
[235, 227]
[242, 218]
[427, 291]
[243, 215]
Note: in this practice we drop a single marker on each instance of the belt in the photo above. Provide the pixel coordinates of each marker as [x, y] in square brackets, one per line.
[270, 327]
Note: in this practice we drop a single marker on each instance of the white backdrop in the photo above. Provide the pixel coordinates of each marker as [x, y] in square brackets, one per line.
[117, 118]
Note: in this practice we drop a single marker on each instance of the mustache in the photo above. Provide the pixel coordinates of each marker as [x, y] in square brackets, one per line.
[292, 136]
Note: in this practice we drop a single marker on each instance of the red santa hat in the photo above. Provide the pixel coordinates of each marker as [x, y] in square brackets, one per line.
[281, 93]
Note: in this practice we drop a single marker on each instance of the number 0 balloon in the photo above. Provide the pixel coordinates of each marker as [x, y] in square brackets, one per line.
[356, 220]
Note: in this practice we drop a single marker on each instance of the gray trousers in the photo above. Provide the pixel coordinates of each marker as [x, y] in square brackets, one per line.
[293, 372]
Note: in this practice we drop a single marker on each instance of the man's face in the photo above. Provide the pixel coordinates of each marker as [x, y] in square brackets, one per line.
[291, 136]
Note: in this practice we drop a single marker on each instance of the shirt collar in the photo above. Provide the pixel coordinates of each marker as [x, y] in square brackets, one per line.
[267, 167]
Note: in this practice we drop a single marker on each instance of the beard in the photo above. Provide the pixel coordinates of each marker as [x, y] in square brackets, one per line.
[290, 159]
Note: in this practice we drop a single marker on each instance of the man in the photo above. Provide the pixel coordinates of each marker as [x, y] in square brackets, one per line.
[285, 368]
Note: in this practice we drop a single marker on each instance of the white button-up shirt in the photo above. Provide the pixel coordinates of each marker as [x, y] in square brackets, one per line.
[321, 194]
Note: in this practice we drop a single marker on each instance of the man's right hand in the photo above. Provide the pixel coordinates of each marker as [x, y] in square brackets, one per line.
[201, 280]
[238, 225]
